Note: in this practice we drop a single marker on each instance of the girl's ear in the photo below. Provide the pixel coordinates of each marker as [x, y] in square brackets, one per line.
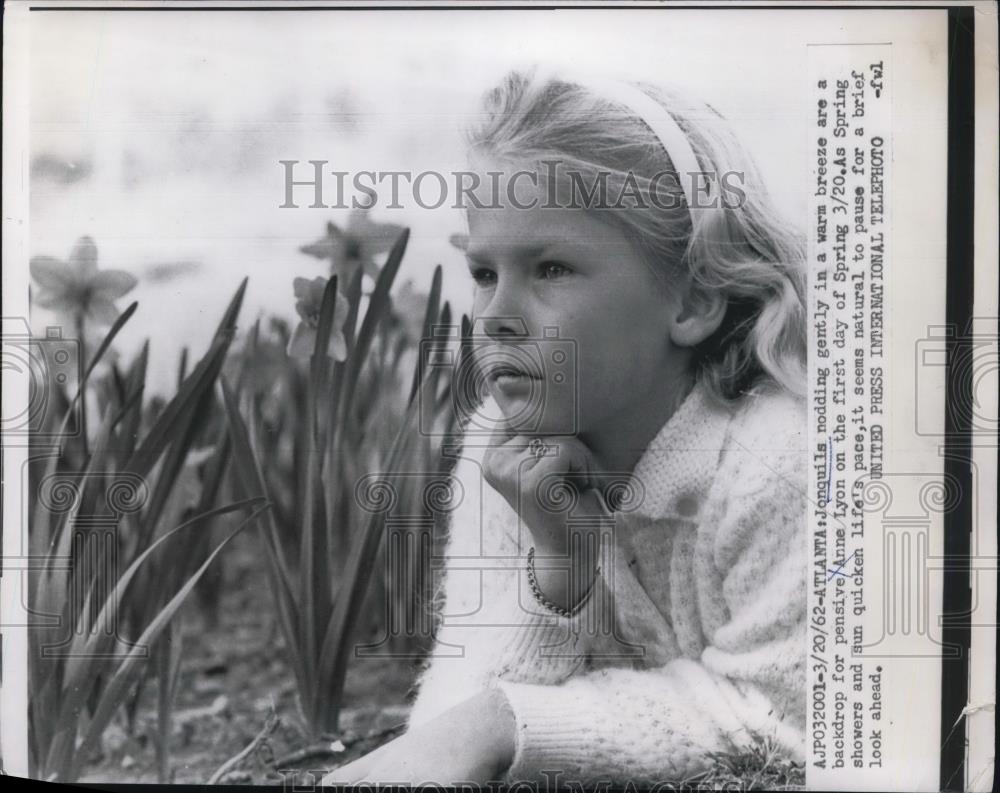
[697, 316]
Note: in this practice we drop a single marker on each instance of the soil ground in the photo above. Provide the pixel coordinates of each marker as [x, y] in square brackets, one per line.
[234, 679]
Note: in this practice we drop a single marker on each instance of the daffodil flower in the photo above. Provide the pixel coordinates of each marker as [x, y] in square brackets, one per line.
[77, 287]
[309, 299]
[355, 246]
[409, 306]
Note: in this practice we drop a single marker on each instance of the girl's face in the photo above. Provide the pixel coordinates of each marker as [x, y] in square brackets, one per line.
[572, 328]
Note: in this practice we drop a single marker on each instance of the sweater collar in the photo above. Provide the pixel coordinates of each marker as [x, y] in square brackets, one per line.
[675, 471]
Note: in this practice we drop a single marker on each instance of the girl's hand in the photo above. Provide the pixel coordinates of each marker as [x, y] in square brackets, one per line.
[471, 742]
[514, 472]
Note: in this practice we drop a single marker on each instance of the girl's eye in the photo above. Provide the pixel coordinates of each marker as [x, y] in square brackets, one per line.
[483, 277]
[552, 270]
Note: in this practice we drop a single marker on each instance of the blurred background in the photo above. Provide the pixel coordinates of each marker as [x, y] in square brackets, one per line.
[159, 134]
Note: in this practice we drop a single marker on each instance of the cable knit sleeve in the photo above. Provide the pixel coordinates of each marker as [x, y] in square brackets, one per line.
[740, 621]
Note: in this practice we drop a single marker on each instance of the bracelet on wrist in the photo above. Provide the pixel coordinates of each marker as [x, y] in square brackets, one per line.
[544, 601]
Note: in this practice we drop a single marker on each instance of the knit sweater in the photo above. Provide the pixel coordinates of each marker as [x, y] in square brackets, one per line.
[693, 639]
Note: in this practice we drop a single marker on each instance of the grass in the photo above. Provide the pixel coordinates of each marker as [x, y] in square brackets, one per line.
[757, 767]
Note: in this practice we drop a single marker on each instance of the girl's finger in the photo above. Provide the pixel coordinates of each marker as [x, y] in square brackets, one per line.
[593, 500]
[577, 461]
[580, 463]
[566, 455]
[502, 433]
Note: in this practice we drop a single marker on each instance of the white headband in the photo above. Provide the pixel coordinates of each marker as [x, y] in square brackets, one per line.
[656, 117]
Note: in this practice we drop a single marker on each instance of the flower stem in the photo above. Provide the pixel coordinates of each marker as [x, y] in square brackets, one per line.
[83, 390]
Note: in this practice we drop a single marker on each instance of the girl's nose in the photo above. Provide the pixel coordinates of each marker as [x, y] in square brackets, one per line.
[503, 316]
[502, 326]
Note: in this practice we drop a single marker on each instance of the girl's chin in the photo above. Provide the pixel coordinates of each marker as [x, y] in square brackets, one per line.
[526, 416]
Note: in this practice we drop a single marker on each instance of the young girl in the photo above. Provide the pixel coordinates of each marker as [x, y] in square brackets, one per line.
[625, 588]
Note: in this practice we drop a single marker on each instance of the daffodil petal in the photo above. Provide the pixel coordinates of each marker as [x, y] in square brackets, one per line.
[301, 287]
[113, 284]
[84, 256]
[337, 348]
[341, 309]
[333, 231]
[102, 310]
[371, 269]
[327, 247]
[345, 269]
[318, 250]
[303, 341]
[56, 301]
[316, 289]
[379, 238]
[314, 296]
[52, 274]
[304, 309]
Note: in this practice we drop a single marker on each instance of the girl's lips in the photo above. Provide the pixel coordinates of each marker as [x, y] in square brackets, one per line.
[510, 377]
[511, 384]
[511, 371]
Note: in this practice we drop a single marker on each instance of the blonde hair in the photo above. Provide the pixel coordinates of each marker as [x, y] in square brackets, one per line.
[744, 250]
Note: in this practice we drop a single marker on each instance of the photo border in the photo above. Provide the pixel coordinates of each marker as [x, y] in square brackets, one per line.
[959, 440]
